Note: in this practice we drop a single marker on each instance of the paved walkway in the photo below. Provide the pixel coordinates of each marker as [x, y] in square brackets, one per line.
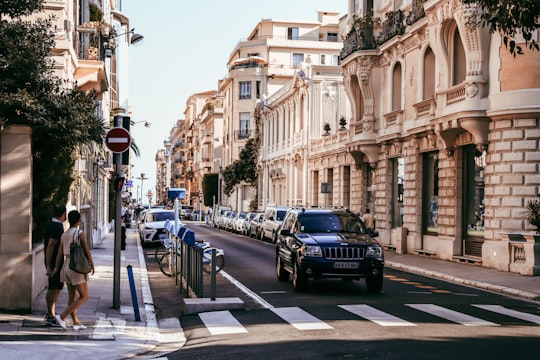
[116, 334]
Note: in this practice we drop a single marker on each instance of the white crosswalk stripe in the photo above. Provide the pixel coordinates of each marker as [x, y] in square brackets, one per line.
[451, 315]
[377, 316]
[221, 322]
[300, 319]
[513, 313]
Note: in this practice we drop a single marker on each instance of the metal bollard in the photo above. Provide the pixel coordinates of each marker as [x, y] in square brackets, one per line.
[133, 293]
[213, 277]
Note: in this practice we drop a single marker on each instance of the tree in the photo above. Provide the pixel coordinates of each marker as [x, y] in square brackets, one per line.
[243, 169]
[510, 17]
[63, 120]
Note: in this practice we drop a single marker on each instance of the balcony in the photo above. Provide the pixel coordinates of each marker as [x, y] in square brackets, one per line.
[243, 134]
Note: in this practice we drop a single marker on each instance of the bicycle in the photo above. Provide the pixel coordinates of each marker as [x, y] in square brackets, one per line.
[172, 258]
[162, 248]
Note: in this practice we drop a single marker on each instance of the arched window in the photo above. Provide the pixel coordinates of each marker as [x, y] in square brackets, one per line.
[396, 87]
[459, 60]
[429, 74]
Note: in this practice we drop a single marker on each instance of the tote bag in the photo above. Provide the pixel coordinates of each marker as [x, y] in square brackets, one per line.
[78, 261]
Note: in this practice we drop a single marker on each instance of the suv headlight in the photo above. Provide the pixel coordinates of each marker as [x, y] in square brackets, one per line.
[312, 250]
[373, 251]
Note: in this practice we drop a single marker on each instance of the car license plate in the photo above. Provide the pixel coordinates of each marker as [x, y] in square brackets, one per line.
[346, 265]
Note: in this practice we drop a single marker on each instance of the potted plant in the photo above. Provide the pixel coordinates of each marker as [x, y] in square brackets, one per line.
[532, 212]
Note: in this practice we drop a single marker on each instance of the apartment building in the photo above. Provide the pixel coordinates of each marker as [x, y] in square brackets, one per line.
[261, 65]
[444, 130]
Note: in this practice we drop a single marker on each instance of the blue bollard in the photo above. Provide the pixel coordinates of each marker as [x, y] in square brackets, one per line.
[133, 293]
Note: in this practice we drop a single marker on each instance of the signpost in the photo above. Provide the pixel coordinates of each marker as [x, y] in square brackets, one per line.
[117, 140]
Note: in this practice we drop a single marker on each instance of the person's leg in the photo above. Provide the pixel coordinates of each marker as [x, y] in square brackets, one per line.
[60, 319]
[51, 297]
[82, 290]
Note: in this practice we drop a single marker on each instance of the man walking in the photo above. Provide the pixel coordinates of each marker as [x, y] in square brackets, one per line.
[53, 232]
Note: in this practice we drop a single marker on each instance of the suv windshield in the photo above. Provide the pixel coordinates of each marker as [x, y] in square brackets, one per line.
[161, 216]
[331, 223]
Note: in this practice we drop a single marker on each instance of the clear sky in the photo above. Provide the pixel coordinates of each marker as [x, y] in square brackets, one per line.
[185, 51]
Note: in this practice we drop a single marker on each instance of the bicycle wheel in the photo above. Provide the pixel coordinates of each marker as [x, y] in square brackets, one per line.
[160, 251]
[167, 263]
[207, 262]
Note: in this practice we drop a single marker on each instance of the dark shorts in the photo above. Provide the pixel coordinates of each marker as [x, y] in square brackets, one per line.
[55, 283]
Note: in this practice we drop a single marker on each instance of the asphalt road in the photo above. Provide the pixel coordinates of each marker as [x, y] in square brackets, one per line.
[414, 317]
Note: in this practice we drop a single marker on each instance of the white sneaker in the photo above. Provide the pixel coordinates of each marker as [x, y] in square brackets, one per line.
[79, 327]
[61, 322]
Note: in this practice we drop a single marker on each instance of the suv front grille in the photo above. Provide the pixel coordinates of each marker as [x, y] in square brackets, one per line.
[343, 253]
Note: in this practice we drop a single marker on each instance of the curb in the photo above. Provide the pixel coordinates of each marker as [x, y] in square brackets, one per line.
[457, 280]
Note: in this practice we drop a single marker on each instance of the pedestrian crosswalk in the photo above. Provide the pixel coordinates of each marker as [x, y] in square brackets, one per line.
[224, 322]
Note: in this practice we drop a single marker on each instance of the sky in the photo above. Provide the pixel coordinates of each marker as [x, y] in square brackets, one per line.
[185, 51]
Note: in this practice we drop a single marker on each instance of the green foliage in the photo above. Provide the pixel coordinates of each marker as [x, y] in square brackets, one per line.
[510, 17]
[210, 189]
[243, 169]
[62, 120]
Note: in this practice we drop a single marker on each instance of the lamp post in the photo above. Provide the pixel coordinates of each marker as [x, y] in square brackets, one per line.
[142, 178]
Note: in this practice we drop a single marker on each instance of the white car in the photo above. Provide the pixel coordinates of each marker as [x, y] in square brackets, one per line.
[238, 222]
[152, 225]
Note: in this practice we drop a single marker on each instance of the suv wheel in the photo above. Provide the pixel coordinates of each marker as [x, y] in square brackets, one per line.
[374, 283]
[282, 274]
[299, 280]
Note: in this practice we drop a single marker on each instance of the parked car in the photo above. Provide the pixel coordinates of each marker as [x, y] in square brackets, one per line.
[185, 212]
[218, 214]
[237, 224]
[229, 220]
[197, 215]
[328, 243]
[273, 217]
[152, 224]
[249, 217]
[254, 227]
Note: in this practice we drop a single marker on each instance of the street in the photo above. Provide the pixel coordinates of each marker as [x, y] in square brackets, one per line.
[413, 317]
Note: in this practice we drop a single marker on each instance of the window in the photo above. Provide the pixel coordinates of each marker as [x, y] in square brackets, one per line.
[292, 33]
[430, 195]
[244, 125]
[396, 87]
[323, 59]
[332, 37]
[253, 54]
[398, 173]
[429, 74]
[297, 58]
[245, 90]
[335, 60]
[460, 63]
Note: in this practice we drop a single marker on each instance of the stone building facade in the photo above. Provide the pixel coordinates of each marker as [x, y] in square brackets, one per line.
[449, 127]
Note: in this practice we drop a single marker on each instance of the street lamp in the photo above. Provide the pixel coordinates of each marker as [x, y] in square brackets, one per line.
[142, 178]
[146, 123]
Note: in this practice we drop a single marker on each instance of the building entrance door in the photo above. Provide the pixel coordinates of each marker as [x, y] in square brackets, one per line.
[474, 163]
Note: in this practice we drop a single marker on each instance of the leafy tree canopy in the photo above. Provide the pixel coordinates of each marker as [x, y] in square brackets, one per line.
[243, 169]
[511, 17]
[63, 118]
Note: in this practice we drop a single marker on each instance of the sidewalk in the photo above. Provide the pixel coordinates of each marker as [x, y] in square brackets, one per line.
[111, 333]
[115, 334]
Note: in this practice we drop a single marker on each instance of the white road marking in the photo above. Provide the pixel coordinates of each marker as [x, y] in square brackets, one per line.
[246, 290]
[451, 315]
[513, 313]
[300, 319]
[377, 316]
[221, 322]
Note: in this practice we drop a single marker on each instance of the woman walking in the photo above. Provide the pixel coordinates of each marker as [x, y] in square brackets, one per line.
[76, 282]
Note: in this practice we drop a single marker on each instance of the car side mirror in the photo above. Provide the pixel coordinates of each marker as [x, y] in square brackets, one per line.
[285, 232]
[271, 218]
[373, 233]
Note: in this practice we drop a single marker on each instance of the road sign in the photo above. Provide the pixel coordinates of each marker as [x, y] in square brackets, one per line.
[118, 140]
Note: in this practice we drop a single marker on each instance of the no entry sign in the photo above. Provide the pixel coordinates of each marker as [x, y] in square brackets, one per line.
[118, 140]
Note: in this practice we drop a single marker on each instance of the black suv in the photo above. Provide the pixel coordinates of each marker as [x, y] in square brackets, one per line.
[328, 243]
